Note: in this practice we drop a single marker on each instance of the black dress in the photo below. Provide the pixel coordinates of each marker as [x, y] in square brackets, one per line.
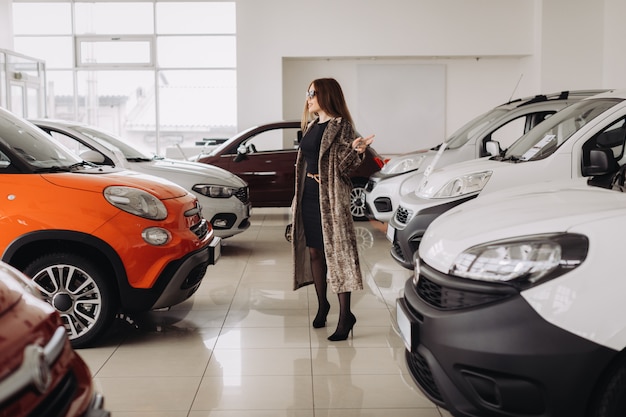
[310, 148]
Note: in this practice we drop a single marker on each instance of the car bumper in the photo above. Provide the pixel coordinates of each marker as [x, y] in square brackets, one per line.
[382, 195]
[228, 216]
[178, 281]
[498, 358]
[405, 242]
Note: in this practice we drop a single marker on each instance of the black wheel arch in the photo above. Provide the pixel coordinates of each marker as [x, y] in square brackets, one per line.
[30, 246]
[613, 377]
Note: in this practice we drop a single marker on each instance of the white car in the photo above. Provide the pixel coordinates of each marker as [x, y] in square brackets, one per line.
[504, 124]
[224, 196]
[516, 306]
[583, 140]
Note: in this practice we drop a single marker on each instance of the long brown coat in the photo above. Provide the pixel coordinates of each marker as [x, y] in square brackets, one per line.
[336, 161]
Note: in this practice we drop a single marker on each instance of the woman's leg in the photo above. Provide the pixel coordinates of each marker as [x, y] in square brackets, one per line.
[318, 266]
[346, 318]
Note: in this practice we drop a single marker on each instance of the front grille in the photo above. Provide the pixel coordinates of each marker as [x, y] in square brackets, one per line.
[403, 215]
[420, 372]
[243, 195]
[59, 399]
[446, 298]
[200, 229]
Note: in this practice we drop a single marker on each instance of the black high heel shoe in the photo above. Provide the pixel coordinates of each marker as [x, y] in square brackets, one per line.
[344, 328]
[320, 318]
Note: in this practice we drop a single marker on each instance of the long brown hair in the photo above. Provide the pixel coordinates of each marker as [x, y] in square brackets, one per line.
[330, 99]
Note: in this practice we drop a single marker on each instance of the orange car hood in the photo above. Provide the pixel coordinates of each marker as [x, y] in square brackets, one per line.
[93, 181]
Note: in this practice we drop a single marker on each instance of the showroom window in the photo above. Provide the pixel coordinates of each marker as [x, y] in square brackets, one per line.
[160, 74]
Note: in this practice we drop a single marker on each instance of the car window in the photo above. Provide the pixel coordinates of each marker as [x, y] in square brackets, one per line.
[543, 140]
[34, 147]
[470, 129]
[69, 142]
[508, 133]
[5, 161]
[113, 143]
[612, 137]
[273, 140]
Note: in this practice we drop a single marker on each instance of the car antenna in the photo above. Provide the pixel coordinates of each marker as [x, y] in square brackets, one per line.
[516, 85]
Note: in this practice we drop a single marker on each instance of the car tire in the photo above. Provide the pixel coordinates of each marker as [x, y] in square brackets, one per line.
[77, 289]
[357, 199]
[611, 400]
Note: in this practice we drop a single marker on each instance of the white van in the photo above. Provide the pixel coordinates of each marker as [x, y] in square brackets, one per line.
[517, 304]
[504, 124]
[583, 140]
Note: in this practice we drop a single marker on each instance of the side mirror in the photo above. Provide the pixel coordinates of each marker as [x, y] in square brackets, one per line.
[493, 148]
[242, 151]
[599, 162]
[93, 157]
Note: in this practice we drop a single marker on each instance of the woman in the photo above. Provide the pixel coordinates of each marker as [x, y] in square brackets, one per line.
[323, 236]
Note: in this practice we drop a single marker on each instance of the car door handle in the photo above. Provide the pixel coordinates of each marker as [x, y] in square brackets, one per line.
[259, 173]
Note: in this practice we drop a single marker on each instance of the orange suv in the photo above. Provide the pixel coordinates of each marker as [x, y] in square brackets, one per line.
[96, 241]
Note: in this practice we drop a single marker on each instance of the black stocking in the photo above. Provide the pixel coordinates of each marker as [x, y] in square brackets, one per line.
[344, 305]
[318, 266]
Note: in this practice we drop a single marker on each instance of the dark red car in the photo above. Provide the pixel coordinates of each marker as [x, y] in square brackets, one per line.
[40, 373]
[265, 156]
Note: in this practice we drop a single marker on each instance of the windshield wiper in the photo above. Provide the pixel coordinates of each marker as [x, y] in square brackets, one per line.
[54, 168]
[65, 168]
[82, 164]
[138, 159]
[512, 158]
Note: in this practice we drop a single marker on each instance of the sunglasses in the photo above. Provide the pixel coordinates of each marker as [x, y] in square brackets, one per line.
[310, 94]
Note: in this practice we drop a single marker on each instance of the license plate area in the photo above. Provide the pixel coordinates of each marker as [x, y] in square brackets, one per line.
[408, 332]
[215, 248]
[391, 232]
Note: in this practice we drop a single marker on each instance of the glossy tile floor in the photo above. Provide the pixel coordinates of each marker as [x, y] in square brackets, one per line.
[243, 345]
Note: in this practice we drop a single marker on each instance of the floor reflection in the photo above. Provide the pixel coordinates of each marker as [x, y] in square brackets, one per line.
[243, 345]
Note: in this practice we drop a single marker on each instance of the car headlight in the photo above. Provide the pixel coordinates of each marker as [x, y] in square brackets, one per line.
[214, 191]
[401, 165]
[523, 261]
[136, 201]
[465, 184]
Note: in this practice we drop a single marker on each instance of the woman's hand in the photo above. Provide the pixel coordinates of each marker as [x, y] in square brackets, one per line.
[360, 144]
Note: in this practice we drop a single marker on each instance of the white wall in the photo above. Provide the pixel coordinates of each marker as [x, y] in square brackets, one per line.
[470, 89]
[551, 44]
[6, 25]
[614, 32]
[327, 38]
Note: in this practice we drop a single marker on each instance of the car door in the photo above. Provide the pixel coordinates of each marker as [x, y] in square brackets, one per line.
[266, 161]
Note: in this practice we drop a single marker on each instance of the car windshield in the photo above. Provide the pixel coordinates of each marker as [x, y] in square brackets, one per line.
[114, 143]
[230, 141]
[467, 131]
[34, 147]
[544, 139]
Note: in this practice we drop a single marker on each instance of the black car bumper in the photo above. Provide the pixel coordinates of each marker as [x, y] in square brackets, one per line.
[178, 281]
[406, 241]
[481, 350]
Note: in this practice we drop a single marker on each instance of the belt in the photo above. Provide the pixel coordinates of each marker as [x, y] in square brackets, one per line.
[316, 177]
